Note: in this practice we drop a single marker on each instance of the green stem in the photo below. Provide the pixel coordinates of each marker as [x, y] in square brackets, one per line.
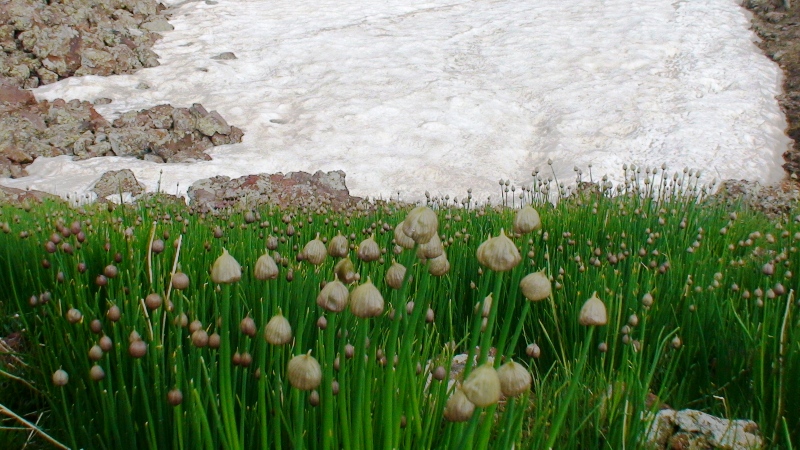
[145, 396]
[358, 414]
[66, 416]
[261, 349]
[227, 398]
[573, 386]
[327, 387]
[298, 419]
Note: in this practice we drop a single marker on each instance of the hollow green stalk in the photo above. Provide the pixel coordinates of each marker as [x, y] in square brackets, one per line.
[227, 399]
[573, 387]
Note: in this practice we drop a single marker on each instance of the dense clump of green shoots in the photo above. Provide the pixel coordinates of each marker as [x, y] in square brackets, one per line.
[382, 326]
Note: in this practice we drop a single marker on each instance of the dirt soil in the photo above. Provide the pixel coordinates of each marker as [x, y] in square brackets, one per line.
[777, 23]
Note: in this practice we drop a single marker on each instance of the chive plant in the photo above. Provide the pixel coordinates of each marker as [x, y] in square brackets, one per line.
[332, 328]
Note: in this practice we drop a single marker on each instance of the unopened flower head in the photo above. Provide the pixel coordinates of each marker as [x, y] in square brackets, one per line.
[499, 253]
[226, 269]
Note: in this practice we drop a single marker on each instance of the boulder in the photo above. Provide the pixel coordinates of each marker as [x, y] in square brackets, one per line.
[117, 182]
[43, 42]
[692, 429]
[161, 134]
[294, 188]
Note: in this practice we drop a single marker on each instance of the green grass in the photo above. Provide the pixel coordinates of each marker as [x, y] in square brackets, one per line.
[698, 265]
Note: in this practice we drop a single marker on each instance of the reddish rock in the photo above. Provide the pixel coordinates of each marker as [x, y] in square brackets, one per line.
[294, 188]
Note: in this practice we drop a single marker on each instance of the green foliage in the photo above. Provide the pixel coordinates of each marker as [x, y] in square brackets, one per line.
[695, 319]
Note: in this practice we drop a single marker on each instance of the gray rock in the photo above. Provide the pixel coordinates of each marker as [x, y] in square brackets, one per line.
[212, 123]
[46, 41]
[158, 25]
[233, 137]
[115, 182]
[224, 56]
[183, 120]
[695, 429]
[133, 141]
[297, 188]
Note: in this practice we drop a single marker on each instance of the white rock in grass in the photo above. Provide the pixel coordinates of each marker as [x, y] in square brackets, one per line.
[695, 429]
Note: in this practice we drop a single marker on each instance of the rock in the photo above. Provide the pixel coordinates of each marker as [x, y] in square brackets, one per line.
[161, 134]
[15, 154]
[183, 120]
[224, 56]
[233, 137]
[158, 25]
[15, 96]
[44, 41]
[293, 188]
[212, 123]
[8, 195]
[133, 141]
[116, 182]
[692, 429]
[773, 201]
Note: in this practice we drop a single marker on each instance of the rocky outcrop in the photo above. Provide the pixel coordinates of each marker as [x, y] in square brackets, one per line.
[773, 201]
[46, 41]
[118, 182]
[29, 129]
[690, 429]
[14, 195]
[294, 188]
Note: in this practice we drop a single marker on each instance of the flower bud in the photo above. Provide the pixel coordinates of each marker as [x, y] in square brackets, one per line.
[593, 312]
[527, 220]
[248, 326]
[439, 265]
[200, 338]
[368, 250]
[278, 330]
[430, 249]
[265, 268]
[214, 341]
[458, 407]
[137, 348]
[482, 386]
[315, 251]
[535, 286]
[514, 379]
[487, 306]
[60, 377]
[272, 242]
[175, 397]
[74, 316]
[345, 271]
[333, 297]
[153, 301]
[304, 372]
[180, 281]
[533, 350]
[499, 253]
[395, 275]
[421, 224]
[95, 353]
[338, 247]
[96, 373]
[401, 239]
[105, 344]
[366, 301]
[225, 269]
